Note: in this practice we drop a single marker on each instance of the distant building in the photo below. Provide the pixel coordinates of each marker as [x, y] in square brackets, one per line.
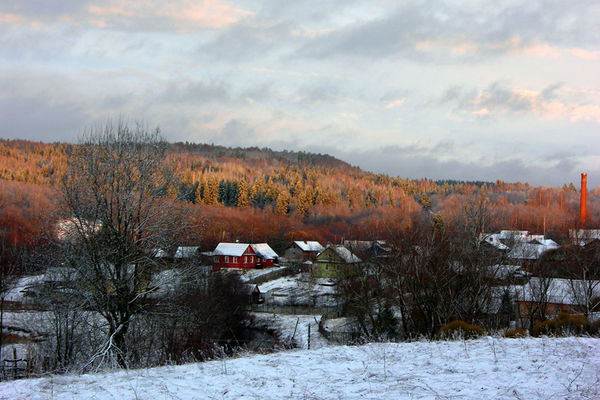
[369, 248]
[334, 262]
[583, 236]
[301, 251]
[243, 255]
[518, 245]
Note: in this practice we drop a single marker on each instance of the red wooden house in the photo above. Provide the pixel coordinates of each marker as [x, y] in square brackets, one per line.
[243, 255]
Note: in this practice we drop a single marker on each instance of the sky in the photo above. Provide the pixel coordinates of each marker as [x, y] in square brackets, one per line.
[464, 90]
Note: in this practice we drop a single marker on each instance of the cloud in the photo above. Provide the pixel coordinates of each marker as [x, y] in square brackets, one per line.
[433, 31]
[499, 99]
[424, 162]
[395, 103]
[36, 118]
[152, 15]
[249, 40]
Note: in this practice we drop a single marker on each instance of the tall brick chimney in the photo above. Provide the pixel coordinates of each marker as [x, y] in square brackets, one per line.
[582, 200]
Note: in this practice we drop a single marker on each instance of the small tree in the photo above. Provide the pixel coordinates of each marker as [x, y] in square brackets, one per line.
[9, 274]
[117, 217]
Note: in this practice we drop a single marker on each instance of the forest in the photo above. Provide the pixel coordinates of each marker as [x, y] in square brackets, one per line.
[252, 194]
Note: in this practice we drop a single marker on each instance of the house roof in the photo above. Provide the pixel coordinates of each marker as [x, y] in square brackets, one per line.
[264, 251]
[309, 245]
[346, 255]
[367, 245]
[519, 244]
[531, 250]
[231, 249]
[559, 291]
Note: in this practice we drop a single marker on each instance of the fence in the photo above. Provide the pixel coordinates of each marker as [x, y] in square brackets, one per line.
[269, 307]
[16, 368]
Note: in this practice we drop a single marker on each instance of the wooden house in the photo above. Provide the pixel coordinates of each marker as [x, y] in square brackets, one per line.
[243, 255]
[234, 255]
[267, 257]
[556, 295]
[371, 249]
[335, 261]
[301, 251]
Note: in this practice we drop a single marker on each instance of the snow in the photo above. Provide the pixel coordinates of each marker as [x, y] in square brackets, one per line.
[344, 253]
[297, 289]
[309, 245]
[486, 368]
[24, 285]
[559, 291]
[186, 251]
[294, 327]
[264, 251]
[231, 249]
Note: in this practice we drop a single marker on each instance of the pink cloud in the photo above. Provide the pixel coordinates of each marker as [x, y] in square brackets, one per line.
[395, 103]
[182, 14]
[486, 103]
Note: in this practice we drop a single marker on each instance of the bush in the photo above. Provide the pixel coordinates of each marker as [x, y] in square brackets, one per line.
[564, 325]
[460, 329]
[514, 333]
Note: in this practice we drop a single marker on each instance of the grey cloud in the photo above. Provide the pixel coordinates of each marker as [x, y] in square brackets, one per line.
[248, 40]
[405, 162]
[195, 91]
[47, 9]
[235, 133]
[549, 93]
[491, 27]
[36, 119]
[497, 97]
[320, 93]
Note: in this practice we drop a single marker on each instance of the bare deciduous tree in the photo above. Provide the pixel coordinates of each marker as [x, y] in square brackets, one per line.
[117, 217]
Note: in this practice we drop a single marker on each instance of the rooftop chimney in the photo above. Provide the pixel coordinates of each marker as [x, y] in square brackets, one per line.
[582, 200]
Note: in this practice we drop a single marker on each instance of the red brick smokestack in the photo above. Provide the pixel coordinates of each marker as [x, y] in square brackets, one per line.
[582, 200]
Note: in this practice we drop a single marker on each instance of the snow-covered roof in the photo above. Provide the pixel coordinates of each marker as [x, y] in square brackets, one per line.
[231, 249]
[309, 245]
[264, 251]
[186, 251]
[343, 253]
[531, 250]
[521, 244]
[367, 245]
[584, 233]
[560, 291]
[160, 253]
[506, 271]
[494, 240]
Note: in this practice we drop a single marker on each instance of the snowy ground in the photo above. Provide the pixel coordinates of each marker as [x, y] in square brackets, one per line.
[487, 368]
[298, 289]
[295, 327]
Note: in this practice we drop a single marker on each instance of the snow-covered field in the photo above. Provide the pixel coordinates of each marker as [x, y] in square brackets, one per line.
[487, 368]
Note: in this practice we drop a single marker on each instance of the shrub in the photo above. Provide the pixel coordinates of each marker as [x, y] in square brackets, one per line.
[564, 325]
[460, 329]
[514, 333]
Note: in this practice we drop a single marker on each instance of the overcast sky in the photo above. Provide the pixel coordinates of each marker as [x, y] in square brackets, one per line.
[459, 90]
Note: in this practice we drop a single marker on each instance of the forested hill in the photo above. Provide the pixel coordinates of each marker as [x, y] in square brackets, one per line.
[254, 153]
[245, 192]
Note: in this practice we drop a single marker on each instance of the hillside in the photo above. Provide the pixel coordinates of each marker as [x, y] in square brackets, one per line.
[487, 368]
[254, 194]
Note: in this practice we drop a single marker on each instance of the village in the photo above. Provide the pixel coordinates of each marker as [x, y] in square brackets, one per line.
[311, 294]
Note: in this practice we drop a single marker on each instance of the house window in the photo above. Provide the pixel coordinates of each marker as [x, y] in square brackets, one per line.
[234, 260]
[216, 259]
[251, 259]
[226, 259]
[245, 259]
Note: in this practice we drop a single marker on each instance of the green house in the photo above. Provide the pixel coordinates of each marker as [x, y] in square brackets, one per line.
[335, 261]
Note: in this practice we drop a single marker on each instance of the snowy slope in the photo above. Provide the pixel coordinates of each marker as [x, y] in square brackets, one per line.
[487, 368]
